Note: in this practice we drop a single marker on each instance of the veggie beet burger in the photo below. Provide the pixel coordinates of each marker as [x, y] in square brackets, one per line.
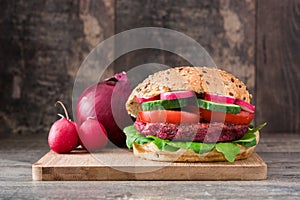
[191, 114]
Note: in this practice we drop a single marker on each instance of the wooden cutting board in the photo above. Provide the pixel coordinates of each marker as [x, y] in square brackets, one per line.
[120, 164]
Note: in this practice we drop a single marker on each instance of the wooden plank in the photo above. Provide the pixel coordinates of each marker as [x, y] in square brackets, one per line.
[278, 61]
[226, 29]
[45, 43]
[123, 165]
[283, 182]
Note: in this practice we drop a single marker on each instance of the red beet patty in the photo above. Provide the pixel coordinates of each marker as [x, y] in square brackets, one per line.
[200, 132]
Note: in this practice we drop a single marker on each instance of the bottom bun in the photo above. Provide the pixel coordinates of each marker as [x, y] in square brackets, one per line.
[150, 151]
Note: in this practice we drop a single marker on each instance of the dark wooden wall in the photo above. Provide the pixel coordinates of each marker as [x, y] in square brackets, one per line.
[278, 64]
[42, 44]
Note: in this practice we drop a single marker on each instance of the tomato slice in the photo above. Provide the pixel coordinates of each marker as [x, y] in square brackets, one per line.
[243, 117]
[167, 116]
[177, 117]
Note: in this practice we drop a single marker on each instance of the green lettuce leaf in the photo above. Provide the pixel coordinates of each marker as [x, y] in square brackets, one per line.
[249, 139]
[132, 135]
[253, 130]
[228, 149]
[197, 147]
[160, 143]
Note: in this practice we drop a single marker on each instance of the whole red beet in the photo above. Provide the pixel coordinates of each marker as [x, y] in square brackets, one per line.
[92, 135]
[63, 136]
[105, 101]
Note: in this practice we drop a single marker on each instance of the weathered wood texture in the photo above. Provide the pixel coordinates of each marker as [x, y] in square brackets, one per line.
[121, 164]
[42, 46]
[226, 29]
[283, 181]
[44, 42]
[278, 65]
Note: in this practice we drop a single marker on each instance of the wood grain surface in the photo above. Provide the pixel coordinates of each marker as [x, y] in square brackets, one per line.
[278, 65]
[226, 29]
[118, 164]
[43, 44]
[283, 182]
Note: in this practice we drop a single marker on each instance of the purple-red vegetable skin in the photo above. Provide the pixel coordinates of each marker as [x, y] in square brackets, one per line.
[176, 95]
[245, 106]
[92, 135]
[63, 136]
[219, 98]
[105, 101]
[146, 99]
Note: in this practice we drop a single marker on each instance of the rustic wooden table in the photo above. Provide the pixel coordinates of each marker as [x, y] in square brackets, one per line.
[280, 151]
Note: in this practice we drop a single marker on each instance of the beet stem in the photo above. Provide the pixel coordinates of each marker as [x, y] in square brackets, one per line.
[63, 106]
[61, 115]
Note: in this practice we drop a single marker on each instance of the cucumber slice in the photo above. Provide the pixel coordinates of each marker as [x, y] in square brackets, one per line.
[168, 104]
[219, 107]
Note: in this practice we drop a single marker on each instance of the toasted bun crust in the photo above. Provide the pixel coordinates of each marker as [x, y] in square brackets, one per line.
[198, 79]
[149, 151]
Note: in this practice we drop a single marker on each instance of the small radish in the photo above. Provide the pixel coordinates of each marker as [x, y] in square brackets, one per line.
[176, 95]
[146, 99]
[245, 106]
[219, 98]
[63, 136]
[93, 135]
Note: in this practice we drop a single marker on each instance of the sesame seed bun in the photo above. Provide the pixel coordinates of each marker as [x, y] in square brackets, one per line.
[197, 79]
